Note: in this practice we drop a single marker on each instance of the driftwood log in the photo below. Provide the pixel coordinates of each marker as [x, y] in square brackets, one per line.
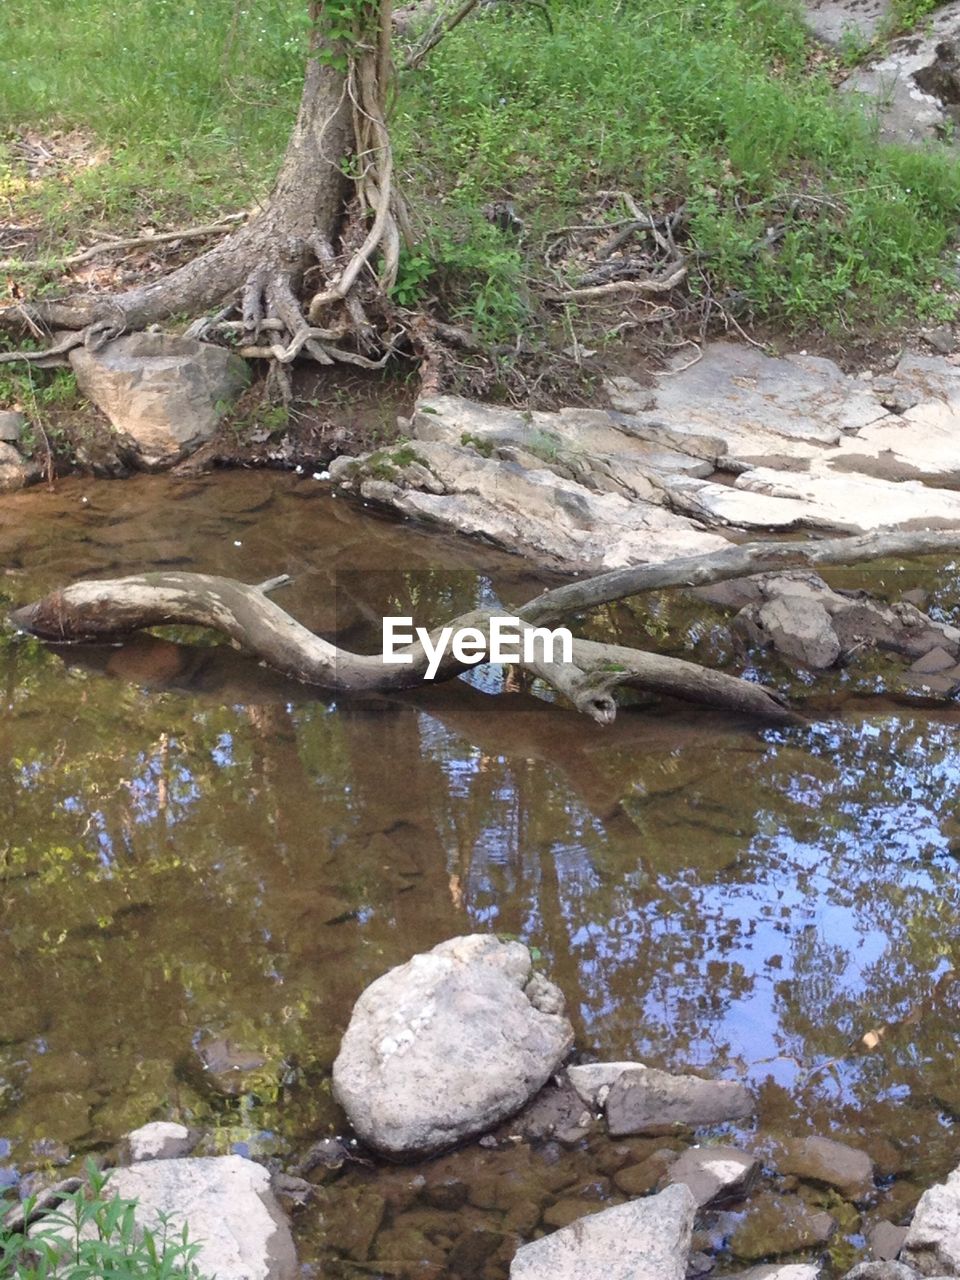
[97, 610]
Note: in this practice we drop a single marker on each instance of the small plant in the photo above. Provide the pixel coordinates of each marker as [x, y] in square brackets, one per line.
[92, 1235]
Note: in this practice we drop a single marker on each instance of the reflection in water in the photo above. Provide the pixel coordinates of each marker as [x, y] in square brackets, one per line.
[195, 846]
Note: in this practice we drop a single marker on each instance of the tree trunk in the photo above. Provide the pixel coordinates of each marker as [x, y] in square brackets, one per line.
[266, 257]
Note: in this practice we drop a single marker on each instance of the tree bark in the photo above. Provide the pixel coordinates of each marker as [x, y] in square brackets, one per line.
[271, 250]
[95, 610]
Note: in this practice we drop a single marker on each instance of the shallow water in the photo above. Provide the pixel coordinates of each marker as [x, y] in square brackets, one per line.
[193, 850]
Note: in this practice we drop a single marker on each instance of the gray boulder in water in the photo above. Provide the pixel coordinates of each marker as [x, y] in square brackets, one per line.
[449, 1044]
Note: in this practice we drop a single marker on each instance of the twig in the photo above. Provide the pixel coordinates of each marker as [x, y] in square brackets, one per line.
[131, 242]
[618, 287]
[439, 29]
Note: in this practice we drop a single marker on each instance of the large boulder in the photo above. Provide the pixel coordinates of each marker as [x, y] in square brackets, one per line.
[227, 1206]
[449, 1044]
[932, 1246]
[166, 393]
[642, 1240]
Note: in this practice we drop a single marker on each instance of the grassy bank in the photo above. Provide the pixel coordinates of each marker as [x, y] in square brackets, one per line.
[795, 215]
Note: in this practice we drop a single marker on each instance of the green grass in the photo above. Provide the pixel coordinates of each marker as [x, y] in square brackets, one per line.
[715, 103]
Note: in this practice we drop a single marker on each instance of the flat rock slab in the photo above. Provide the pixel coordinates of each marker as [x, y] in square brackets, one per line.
[832, 1163]
[449, 1044]
[227, 1206]
[932, 1246]
[558, 521]
[836, 21]
[910, 88]
[737, 442]
[645, 1239]
[886, 1270]
[798, 397]
[167, 394]
[715, 1175]
[651, 1101]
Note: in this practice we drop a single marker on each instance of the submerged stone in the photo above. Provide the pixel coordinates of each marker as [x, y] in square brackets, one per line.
[654, 1101]
[645, 1239]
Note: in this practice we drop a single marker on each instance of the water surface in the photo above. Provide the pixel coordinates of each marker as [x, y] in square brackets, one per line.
[193, 850]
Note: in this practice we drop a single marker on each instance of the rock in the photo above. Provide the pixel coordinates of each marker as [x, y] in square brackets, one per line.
[556, 1112]
[700, 1264]
[642, 1240]
[226, 1066]
[166, 393]
[569, 1209]
[932, 1246]
[777, 1271]
[593, 1080]
[161, 1140]
[352, 1216]
[934, 660]
[762, 406]
[942, 339]
[886, 1240]
[801, 630]
[227, 1206]
[809, 624]
[11, 424]
[640, 1179]
[882, 1271]
[833, 1163]
[529, 509]
[775, 1224]
[15, 472]
[715, 1175]
[649, 1100]
[447, 1045]
[838, 20]
[590, 489]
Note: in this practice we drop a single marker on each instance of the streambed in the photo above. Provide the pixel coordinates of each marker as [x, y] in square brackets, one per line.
[202, 863]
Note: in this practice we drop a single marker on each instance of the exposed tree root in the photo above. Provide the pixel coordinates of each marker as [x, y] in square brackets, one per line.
[252, 284]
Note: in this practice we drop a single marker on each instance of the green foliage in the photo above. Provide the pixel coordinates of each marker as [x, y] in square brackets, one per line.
[907, 14]
[715, 104]
[92, 1235]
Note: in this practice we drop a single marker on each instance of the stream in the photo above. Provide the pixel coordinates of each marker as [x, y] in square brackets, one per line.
[202, 865]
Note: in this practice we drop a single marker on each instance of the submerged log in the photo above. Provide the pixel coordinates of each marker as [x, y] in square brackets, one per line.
[96, 610]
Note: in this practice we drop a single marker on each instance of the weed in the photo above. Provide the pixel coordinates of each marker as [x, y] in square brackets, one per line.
[94, 1234]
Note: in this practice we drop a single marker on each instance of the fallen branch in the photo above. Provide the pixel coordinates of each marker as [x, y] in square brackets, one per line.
[116, 245]
[617, 288]
[96, 610]
[732, 562]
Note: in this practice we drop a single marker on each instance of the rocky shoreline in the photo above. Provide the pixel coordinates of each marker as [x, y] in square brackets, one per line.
[469, 1044]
